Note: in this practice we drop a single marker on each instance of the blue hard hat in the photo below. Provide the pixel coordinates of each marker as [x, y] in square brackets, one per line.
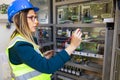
[18, 5]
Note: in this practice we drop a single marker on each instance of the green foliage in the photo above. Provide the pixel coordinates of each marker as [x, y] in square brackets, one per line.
[3, 8]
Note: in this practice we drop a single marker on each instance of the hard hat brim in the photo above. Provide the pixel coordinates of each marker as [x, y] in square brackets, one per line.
[36, 9]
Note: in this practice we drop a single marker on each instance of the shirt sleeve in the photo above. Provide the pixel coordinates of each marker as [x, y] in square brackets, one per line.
[26, 54]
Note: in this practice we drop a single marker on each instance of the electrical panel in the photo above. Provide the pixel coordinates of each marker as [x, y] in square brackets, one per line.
[89, 61]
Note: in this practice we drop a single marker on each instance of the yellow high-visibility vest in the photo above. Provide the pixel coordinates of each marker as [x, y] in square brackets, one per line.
[22, 71]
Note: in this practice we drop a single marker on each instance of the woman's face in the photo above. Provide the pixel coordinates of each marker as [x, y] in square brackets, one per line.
[32, 20]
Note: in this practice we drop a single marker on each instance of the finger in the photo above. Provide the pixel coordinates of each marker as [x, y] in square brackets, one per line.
[77, 30]
[79, 34]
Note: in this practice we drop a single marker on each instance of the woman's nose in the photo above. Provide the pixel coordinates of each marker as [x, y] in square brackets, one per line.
[36, 22]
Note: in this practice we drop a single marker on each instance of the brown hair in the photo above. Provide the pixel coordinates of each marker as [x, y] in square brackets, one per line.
[22, 28]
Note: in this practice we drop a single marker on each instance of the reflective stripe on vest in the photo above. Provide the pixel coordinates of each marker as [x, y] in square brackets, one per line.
[24, 72]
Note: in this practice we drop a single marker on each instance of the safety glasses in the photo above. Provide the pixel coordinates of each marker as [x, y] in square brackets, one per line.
[32, 18]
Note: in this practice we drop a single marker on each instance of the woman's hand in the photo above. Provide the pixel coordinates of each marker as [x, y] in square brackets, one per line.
[75, 41]
[48, 54]
[76, 38]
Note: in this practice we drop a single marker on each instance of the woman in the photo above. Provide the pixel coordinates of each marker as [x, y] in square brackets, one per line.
[26, 60]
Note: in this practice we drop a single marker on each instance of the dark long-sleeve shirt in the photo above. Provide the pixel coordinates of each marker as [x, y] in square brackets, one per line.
[23, 52]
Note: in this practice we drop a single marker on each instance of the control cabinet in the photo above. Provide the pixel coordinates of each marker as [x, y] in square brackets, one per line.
[115, 68]
[44, 36]
[92, 59]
